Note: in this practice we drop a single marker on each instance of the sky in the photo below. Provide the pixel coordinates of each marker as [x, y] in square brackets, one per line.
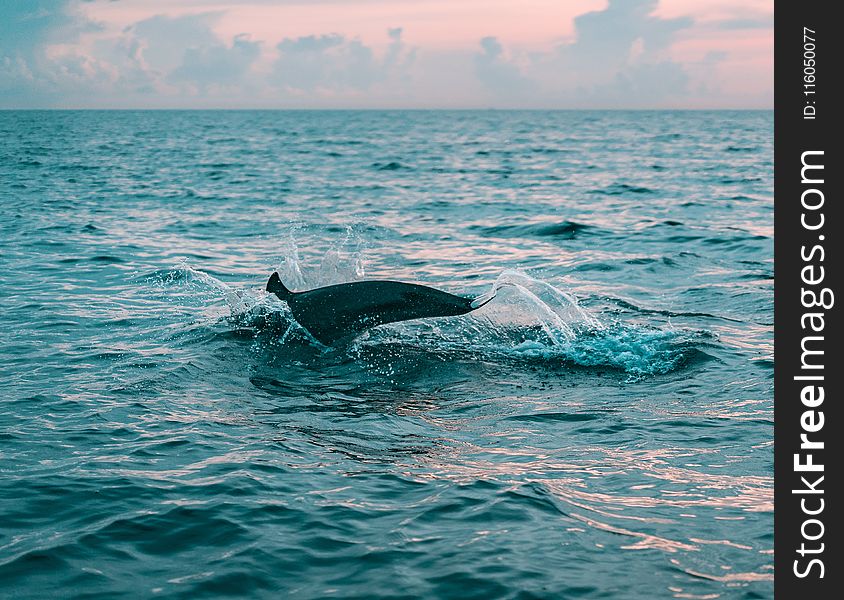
[386, 54]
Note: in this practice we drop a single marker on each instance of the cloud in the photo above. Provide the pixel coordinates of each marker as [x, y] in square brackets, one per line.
[177, 60]
[28, 75]
[332, 63]
[160, 57]
[217, 64]
[164, 41]
[398, 55]
[500, 76]
[618, 58]
[185, 53]
[57, 53]
[26, 25]
[329, 61]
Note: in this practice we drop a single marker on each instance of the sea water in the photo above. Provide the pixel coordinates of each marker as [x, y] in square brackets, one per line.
[601, 429]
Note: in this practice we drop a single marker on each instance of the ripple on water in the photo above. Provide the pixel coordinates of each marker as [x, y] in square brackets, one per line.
[168, 429]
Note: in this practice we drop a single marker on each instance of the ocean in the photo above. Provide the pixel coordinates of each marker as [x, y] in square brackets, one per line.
[602, 429]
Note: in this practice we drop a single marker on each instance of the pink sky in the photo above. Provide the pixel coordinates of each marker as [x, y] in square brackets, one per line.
[436, 24]
[671, 53]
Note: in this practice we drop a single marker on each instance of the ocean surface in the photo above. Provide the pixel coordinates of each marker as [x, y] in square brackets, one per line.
[601, 429]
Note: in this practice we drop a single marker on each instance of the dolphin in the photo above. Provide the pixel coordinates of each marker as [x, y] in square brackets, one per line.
[342, 311]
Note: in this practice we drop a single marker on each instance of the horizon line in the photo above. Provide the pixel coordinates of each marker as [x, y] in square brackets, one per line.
[408, 109]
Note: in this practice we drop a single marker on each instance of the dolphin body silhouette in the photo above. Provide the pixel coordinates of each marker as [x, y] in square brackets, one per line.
[342, 311]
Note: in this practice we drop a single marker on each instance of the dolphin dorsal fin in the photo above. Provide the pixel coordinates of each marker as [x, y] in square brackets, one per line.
[275, 286]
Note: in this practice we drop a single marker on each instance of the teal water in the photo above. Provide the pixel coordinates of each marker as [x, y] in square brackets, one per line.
[601, 429]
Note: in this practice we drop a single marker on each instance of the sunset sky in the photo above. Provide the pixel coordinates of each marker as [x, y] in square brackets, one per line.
[386, 54]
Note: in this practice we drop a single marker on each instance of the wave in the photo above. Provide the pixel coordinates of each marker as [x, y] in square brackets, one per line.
[567, 230]
[390, 166]
[620, 189]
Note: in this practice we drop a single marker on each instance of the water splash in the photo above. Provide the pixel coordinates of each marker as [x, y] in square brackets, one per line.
[556, 311]
[530, 319]
[522, 318]
[200, 287]
[341, 263]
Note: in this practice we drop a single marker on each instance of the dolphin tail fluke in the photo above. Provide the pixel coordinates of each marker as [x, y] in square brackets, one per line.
[485, 298]
[274, 286]
[481, 300]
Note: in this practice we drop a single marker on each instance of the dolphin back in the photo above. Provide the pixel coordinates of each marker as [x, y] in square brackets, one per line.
[342, 311]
